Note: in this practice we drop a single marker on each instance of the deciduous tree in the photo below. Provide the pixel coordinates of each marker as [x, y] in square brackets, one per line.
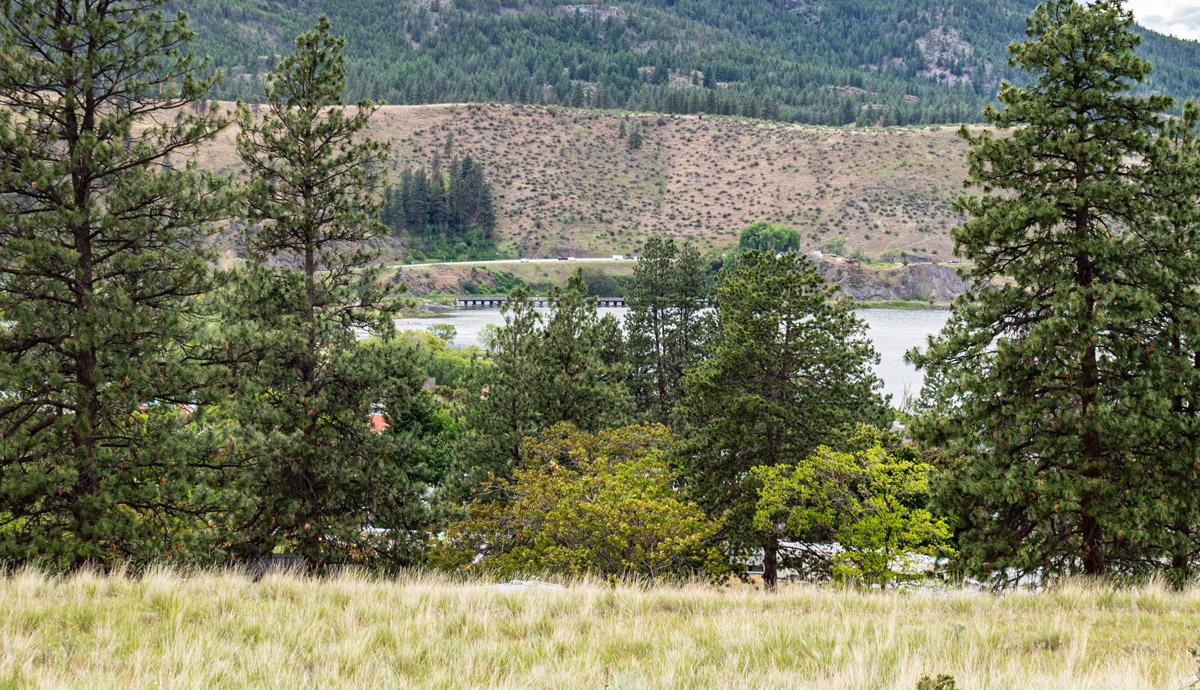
[858, 515]
[587, 504]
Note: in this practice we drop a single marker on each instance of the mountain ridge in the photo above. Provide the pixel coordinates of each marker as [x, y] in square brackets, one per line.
[806, 61]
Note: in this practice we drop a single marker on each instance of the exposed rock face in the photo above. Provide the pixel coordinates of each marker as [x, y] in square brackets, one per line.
[449, 279]
[601, 11]
[914, 282]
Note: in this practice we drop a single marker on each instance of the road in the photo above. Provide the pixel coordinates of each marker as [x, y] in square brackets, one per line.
[501, 262]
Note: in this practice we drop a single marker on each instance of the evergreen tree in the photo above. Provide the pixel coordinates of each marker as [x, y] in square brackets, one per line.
[578, 386]
[99, 268]
[636, 138]
[665, 324]
[507, 409]
[541, 375]
[1070, 391]
[788, 365]
[445, 208]
[439, 199]
[416, 202]
[325, 474]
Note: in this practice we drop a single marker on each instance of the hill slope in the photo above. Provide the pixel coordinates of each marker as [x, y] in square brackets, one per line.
[565, 182]
[811, 61]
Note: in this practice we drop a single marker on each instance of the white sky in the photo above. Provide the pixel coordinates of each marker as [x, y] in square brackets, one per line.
[1175, 17]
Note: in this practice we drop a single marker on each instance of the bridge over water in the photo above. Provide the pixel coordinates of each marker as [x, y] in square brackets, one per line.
[484, 302]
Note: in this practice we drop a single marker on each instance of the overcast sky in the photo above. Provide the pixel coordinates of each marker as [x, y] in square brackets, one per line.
[1176, 17]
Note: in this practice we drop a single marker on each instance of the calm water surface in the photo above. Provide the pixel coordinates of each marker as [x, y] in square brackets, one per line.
[894, 331]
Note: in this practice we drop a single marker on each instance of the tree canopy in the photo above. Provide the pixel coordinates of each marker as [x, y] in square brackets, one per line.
[788, 364]
[1068, 390]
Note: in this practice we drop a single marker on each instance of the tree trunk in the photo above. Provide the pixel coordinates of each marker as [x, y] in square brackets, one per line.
[770, 574]
[1091, 531]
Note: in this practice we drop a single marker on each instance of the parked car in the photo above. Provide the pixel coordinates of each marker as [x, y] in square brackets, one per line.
[562, 258]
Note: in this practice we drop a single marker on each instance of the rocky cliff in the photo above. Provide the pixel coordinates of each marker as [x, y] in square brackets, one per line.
[913, 282]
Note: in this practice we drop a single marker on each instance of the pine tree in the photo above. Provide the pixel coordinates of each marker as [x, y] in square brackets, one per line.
[788, 365]
[305, 389]
[541, 375]
[506, 408]
[99, 268]
[416, 205]
[636, 138]
[579, 387]
[666, 326]
[439, 211]
[1070, 390]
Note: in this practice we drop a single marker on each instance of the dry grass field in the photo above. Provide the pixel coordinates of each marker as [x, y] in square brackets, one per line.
[220, 630]
[565, 181]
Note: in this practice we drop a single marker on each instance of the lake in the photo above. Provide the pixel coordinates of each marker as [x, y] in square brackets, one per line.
[894, 331]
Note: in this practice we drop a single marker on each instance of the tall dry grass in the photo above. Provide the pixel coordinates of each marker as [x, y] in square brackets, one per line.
[221, 630]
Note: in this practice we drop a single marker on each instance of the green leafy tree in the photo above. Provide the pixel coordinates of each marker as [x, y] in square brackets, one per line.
[584, 504]
[1069, 390]
[836, 244]
[444, 331]
[768, 238]
[665, 324]
[328, 482]
[867, 503]
[788, 365]
[99, 270]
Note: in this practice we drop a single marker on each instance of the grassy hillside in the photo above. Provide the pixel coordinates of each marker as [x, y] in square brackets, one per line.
[223, 631]
[565, 181]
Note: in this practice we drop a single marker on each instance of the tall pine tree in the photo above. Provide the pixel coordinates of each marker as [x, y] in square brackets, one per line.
[665, 324]
[542, 373]
[335, 425]
[788, 365]
[1070, 389]
[99, 268]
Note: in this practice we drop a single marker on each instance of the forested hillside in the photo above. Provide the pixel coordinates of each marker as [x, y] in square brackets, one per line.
[809, 61]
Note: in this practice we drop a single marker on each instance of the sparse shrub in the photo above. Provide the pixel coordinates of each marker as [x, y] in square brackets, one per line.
[942, 682]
